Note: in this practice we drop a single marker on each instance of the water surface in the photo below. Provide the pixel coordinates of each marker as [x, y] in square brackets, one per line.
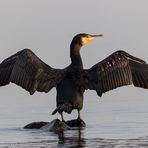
[110, 122]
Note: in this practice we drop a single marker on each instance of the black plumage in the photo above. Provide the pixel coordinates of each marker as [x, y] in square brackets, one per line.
[120, 68]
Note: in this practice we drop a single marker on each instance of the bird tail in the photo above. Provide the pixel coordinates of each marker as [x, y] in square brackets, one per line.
[67, 107]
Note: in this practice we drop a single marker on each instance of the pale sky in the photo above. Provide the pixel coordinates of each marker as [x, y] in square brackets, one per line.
[48, 26]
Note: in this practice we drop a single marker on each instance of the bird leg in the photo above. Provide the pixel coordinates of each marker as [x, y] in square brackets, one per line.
[79, 117]
[62, 117]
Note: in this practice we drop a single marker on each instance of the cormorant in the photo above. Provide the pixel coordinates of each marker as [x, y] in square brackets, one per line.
[120, 68]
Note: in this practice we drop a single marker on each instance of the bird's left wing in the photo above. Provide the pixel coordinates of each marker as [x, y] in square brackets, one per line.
[118, 69]
[26, 70]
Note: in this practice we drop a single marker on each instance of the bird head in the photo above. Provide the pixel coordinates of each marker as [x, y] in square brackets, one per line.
[84, 38]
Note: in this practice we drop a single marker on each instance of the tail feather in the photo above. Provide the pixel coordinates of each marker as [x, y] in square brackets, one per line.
[67, 107]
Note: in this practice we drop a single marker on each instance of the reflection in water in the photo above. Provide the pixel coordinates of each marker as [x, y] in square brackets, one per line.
[73, 138]
[78, 140]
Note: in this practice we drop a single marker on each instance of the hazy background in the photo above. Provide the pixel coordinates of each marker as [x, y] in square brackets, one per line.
[48, 26]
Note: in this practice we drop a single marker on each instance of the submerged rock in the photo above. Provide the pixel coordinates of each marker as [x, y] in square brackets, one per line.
[56, 125]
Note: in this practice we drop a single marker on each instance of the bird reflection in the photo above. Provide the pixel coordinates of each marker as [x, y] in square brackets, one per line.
[72, 138]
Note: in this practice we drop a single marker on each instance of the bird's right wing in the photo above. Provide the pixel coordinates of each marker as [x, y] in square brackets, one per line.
[118, 69]
[26, 70]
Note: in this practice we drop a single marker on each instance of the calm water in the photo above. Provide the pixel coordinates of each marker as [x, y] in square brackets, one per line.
[110, 121]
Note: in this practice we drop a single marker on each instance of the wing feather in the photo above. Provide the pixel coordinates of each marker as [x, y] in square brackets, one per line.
[118, 69]
[26, 70]
[140, 74]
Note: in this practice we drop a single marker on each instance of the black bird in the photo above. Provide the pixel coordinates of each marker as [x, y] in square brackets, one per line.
[120, 68]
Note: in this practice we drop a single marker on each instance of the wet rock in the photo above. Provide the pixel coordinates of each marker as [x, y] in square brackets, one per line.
[56, 125]
[76, 123]
[35, 125]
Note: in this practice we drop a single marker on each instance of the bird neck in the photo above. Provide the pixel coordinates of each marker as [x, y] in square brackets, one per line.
[76, 60]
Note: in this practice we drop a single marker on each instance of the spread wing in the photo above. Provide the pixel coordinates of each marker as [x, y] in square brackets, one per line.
[119, 69]
[26, 70]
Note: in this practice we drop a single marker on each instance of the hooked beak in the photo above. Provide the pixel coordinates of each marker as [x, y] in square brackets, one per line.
[89, 38]
[97, 35]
